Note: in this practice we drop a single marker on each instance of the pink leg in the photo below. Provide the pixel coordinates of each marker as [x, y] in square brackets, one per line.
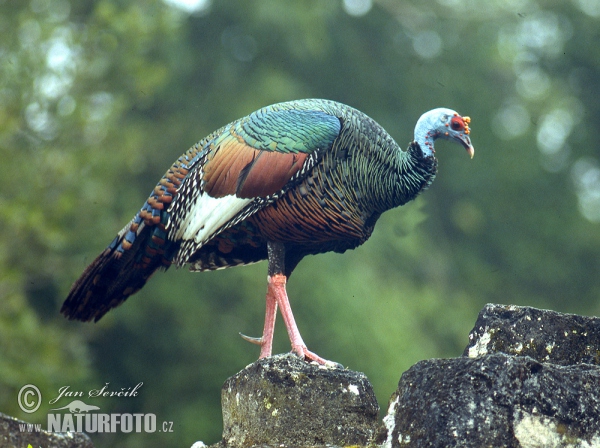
[266, 342]
[277, 290]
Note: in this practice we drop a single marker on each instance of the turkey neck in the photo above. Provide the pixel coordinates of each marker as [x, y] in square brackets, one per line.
[415, 174]
[386, 176]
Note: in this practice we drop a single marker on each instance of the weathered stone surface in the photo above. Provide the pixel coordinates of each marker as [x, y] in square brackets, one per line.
[547, 336]
[529, 378]
[495, 400]
[12, 437]
[285, 401]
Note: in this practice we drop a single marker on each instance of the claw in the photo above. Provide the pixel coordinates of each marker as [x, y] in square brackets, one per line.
[257, 341]
[309, 356]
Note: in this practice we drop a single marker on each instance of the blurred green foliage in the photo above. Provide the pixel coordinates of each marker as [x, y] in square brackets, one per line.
[97, 99]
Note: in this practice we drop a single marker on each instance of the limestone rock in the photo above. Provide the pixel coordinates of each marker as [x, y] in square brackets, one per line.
[529, 378]
[283, 401]
[494, 400]
[547, 336]
[11, 436]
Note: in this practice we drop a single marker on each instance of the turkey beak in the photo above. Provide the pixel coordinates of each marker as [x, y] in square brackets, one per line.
[466, 142]
[471, 151]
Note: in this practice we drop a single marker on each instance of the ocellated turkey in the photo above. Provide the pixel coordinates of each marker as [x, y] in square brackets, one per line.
[289, 180]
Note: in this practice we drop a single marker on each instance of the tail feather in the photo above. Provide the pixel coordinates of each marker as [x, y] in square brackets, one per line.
[135, 254]
[120, 271]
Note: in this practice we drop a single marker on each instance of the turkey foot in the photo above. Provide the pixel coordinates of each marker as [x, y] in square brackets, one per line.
[277, 295]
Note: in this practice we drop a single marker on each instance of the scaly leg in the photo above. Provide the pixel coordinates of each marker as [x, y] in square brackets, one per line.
[266, 341]
[266, 346]
[277, 296]
[277, 289]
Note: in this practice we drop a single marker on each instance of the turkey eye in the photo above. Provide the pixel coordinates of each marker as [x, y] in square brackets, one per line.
[457, 124]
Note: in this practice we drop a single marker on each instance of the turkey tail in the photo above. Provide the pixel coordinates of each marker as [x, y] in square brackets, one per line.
[120, 271]
[135, 254]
